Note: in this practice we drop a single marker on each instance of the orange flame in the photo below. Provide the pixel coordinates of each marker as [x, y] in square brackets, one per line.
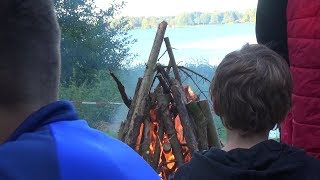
[167, 165]
[190, 95]
[139, 138]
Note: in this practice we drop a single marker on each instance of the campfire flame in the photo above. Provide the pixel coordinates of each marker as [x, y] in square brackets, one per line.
[167, 165]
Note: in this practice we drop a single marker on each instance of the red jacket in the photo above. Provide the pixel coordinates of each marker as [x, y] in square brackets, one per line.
[301, 44]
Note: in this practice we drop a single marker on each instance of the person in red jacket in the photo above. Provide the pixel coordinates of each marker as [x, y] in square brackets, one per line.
[292, 29]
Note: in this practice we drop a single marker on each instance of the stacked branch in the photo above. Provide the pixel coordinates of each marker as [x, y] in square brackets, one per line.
[164, 123]
[132, 127]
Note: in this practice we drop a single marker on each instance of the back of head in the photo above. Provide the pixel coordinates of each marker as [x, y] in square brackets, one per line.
[251, 90]
[29, 52]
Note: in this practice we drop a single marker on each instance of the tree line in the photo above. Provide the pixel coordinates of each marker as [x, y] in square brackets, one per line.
[195, 18]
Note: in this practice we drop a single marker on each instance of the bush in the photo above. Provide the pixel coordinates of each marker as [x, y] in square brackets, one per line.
[104, 89]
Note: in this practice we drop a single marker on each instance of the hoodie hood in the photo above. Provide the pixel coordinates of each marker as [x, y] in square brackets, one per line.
[266, 160]
[264, 157]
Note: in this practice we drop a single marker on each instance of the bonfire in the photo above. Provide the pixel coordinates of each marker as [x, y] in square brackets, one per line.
[166, 122]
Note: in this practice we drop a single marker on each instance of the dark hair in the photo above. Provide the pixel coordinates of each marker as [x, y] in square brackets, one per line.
[252, 89]
[29, 52]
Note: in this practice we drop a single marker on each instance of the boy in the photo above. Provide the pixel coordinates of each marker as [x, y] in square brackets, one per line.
[251, 91]
[42, 138]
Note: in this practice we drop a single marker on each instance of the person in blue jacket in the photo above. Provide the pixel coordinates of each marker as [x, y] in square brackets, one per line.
[42, 138]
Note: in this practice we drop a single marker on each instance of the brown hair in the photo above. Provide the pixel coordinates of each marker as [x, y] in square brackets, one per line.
[29, 52]
[252, 89]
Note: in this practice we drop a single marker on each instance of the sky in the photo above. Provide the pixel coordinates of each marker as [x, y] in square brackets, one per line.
[174, 7]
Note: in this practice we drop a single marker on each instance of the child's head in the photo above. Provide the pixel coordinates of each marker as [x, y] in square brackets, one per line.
[251, 90]
[29, 53]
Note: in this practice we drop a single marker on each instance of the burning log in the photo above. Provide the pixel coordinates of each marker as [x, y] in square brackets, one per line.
[145, 150]
[180, 100]
[144, 138]
[157, 152]
[166, 117]
[137, 117]
[178, 95]
[139, 139]
[143, 145]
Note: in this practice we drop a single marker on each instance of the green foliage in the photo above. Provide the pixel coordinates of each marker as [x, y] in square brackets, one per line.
[249, 16]
[185, 19]
[204, 18]
[195, 18]
[104, 89]
[216, 18]
[230, 17]
[92, 40]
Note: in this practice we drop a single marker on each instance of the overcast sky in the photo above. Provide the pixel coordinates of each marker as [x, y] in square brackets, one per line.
[174, 7]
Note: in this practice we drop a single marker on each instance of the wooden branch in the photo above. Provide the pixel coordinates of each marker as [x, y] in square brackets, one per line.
[172, 61]
[213, 137]
[201, 124]
[166, 118]
[127, 101]
[180, 102]
[164, 163]
[162, 55]
[139, 138]
[145, 145]
[163, 83]
[187, 69]
[165, 75]
[192, 71]
[158, 143]
[164, 79]
[136, 118]
[125, 125]
[195, 83]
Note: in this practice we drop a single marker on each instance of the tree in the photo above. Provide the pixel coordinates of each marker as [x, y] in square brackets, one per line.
[205, 18]
[195, 17]
[91, 40]
[249, 16]
[216, 18]
[230, 17]
[184, 19]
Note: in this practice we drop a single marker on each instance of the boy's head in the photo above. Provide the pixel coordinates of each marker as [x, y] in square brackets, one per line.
[251, 90]
[29, 52]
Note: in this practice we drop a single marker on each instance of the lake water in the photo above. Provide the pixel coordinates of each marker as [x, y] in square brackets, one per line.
[192, 45]
[195, 44]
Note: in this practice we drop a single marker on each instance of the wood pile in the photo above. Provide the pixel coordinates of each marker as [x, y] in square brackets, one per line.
[167, 123]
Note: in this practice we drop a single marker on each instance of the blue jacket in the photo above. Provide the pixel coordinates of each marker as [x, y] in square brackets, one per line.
[53, 144]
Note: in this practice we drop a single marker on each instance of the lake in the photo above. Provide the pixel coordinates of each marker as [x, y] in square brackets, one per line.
[195, 44]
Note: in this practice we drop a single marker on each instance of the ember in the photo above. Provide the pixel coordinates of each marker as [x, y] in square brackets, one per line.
[167, 125]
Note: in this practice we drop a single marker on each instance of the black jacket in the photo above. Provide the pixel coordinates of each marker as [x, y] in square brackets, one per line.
[267, 160]
[271, 25]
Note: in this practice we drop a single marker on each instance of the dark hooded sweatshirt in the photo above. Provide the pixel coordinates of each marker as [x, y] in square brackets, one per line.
[267, 160]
